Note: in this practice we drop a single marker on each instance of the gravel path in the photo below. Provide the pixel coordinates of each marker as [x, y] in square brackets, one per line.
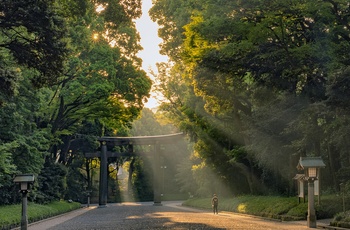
[169, 216]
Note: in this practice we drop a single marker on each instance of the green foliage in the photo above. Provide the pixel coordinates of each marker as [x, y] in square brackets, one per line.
[6, 164]
[254, 89]
[104, 85]
[52, 183]
[148, 125]
[23, 145]
[10, 216]
[185, 179]
[171, 158]
[89, 83]
[33, 35]
[142, 186]
[341, 220]
[266, 80]
[77, 183]
[299, 211]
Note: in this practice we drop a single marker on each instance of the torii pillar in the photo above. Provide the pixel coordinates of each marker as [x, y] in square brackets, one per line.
[103, 176]
[157, 197]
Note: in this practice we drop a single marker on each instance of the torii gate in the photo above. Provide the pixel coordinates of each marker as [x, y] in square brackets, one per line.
[111, 142]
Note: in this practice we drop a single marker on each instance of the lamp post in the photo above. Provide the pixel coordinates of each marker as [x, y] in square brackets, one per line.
[311, 216]
[24, 181]
[311, 166]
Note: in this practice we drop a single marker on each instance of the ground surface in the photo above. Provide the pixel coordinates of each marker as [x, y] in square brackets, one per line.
[169, 216]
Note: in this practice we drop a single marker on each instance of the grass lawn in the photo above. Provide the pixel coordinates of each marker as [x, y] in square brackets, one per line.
[283, 208]
[10, 215]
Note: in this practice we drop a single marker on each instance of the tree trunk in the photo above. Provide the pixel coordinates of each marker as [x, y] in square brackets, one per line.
[332, 167]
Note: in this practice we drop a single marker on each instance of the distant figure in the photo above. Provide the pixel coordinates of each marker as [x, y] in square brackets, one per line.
[215, 203]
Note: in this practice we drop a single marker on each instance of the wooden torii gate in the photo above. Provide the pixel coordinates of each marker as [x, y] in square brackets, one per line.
[107, 143]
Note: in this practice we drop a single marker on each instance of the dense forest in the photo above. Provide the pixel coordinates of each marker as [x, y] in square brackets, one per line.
[253, 84]
[69, 73]
[258, 84]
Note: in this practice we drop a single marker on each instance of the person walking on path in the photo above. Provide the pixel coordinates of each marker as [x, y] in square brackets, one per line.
[215, 203]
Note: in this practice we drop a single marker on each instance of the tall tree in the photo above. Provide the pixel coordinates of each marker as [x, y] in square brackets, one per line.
[32, 35]
[261, 68]
[103, 86]
[98, 90]
[103, 80]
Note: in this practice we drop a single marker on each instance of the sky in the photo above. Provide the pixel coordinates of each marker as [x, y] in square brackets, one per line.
[150, 42]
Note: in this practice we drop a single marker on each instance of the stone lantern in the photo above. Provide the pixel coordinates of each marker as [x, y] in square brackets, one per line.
[24, 181]
[311, 167]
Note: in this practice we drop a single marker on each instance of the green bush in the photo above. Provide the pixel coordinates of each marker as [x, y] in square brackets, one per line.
[342, 219]
[298, 212]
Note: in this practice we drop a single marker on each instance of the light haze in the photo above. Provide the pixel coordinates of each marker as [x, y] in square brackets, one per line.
[150, 42]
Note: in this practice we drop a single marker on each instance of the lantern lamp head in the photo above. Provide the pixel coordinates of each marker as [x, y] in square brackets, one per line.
[312, 172]
[311, 166]
[24, 181]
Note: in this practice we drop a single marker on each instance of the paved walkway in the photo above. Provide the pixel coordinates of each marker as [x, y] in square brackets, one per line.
[169, 216]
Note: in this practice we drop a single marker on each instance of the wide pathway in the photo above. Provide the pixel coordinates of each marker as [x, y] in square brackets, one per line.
[169, 216]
